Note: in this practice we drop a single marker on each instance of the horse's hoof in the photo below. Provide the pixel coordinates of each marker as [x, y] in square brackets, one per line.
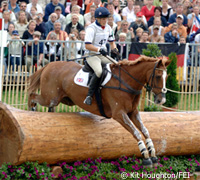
[147, 162]
[154, 161]
[33, 109]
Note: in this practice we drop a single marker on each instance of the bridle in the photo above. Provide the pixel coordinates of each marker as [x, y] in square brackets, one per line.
[148, 86]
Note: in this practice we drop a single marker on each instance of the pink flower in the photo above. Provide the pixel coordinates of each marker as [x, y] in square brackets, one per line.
[166, 159]
[189, 159]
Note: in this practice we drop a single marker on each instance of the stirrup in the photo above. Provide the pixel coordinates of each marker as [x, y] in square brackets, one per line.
[88, 100]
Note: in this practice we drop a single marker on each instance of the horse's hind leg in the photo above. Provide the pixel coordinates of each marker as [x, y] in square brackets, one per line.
[136, 119]
[35, 98]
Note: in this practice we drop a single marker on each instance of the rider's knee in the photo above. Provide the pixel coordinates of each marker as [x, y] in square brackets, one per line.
[98, 73]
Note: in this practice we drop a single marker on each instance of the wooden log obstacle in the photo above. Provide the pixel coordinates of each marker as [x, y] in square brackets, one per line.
[56, 137]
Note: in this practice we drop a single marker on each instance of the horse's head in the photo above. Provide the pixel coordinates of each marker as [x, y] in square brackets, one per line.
[157, 80]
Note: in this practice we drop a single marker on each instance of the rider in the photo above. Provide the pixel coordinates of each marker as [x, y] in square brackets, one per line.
[97, 35]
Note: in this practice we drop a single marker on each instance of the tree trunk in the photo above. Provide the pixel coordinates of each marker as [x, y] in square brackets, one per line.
[56, 137]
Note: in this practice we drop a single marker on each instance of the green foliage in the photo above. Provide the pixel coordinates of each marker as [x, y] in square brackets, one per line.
[152, 107]
[152, 51]
[181, 166]
[172, 82]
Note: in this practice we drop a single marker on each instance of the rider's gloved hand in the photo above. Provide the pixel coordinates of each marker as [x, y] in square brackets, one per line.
[103, 52]
[115, 54]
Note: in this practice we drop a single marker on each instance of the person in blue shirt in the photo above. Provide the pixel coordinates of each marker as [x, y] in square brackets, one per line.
[173, 35]
[50, 8]
[179, 11]
[13, 6]
[34, 53]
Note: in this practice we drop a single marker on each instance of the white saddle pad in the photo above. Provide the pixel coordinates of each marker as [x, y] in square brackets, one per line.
[81, 77]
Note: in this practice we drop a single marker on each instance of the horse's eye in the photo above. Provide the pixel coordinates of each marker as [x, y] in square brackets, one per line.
[158, 77]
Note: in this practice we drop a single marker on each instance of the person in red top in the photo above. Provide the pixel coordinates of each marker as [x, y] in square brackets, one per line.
[97, 4]
[148, 10]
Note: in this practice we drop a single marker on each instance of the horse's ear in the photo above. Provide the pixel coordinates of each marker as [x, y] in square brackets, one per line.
[167, 63]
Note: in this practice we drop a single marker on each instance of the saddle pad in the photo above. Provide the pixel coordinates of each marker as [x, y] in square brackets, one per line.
[81, 77]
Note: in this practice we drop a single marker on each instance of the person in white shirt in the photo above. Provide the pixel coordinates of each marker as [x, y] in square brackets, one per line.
[97, 35]
[128, 12]
[35, 4]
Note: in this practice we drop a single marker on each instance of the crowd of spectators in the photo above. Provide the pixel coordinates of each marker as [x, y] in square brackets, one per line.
[141, 21]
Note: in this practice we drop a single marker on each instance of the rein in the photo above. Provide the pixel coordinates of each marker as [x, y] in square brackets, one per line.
[130, 89]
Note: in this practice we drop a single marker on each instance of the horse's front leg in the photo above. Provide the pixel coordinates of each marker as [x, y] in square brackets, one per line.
[125, 121]
[136, 119]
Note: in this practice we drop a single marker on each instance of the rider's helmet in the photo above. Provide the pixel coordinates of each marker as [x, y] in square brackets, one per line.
[101, 12]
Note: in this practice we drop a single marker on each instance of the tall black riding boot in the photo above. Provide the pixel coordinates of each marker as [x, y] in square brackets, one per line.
[94, 83]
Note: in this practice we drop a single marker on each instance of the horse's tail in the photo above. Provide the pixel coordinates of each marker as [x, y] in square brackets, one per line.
[34, 81]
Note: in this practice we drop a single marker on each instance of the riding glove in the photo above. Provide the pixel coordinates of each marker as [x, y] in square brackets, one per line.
[103, 52]
[115, 54]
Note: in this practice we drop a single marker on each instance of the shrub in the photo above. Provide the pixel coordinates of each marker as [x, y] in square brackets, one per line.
[152, 51]
[172, 83]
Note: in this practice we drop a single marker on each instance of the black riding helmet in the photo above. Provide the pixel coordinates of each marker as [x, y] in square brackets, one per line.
[101, 12]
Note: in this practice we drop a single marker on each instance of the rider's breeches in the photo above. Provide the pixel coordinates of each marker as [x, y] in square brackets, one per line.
[96, 62]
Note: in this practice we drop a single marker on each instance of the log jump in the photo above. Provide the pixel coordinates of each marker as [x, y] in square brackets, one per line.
[56, 137]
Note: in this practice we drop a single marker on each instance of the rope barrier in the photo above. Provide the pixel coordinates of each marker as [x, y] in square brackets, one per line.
[183, 92]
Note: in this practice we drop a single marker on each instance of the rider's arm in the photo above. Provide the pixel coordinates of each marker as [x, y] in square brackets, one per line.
[91, 47]
[113, 45]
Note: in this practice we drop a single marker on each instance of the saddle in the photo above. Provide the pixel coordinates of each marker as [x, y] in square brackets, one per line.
[84, 76]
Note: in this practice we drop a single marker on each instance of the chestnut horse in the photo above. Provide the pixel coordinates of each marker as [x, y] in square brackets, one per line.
[120, 100]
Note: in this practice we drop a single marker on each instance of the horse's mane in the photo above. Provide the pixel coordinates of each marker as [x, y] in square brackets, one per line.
[142, 58]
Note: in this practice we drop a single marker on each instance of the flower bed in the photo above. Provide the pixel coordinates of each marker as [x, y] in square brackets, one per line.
[181, 167]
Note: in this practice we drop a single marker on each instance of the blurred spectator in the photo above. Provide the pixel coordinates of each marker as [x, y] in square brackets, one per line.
[144, 37]
[13, 6]
[21, 24]
[52, 50]
[157, 22]
[28, 34]
[49, 26]
[33, 12]
[61, 17]
[138, 35]
[194, 19]
[82, 39]
[61, 35]
[97, 4]
[117, 7]
[157, 13]
[6, 17]
[187, 7]
[182, 30]
[128, 12]
[19, 1]
[35, 48]
[87, 16]
[73, 47]
[22, 7]
[138, 23]
[182, 40]
[122, 46]
[40, 25]
[50, 8]
[116, 17]
[68, 2]
[155, 37]
[172, 36]
[4, 7]
[74, 24]
[75, 10]
[137, 9]
[148, 10]
[11, 28]
[179, 11]
[15, 49]
[34, 3]
[167, 10]
[112, 24]
[72, 3]
[124, 29]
